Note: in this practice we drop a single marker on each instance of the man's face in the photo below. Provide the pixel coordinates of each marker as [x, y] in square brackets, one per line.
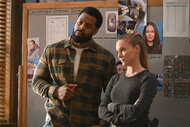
[31, 45]
[84, 28]
[121, 68]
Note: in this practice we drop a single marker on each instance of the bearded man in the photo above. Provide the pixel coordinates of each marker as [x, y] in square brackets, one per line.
[72, 74]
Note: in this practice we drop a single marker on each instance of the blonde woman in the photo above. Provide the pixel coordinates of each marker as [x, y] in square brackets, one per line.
[129, 94]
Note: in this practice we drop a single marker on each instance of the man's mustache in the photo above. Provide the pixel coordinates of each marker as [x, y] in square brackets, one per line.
[80, 31]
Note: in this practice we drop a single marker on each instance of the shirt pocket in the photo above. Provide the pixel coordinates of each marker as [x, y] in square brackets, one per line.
[58, 70]
[58, 65]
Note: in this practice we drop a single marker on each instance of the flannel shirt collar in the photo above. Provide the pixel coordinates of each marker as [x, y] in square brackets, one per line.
[92, 46]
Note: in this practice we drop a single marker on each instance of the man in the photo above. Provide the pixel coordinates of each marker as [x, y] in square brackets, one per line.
[120, 68]
[72, 73]
[33, 49]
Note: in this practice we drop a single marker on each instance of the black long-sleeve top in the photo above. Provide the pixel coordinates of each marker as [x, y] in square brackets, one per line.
[127, 100]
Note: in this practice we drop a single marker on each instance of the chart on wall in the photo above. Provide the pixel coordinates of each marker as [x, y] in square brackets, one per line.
[177, 76]
[176, 18]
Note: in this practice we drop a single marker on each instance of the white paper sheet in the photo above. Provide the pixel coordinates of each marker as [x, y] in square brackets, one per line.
[176, 18]
[56, 28]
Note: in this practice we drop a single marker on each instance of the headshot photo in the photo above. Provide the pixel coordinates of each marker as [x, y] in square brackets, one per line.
[152, 34]
[33, 48]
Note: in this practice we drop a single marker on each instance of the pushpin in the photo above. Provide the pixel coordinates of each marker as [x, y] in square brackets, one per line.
[165, 82]
[182, 84]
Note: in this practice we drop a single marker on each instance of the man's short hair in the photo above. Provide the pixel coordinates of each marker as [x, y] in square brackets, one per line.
[118, 62]
[94, 12]
[33, 41]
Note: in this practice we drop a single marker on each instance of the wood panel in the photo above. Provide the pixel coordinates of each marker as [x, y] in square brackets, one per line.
[155, 3]
[8, 125]
[22, 99]
[59, 5]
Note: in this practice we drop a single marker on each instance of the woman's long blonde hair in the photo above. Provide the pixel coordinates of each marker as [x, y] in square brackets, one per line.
[137, 39]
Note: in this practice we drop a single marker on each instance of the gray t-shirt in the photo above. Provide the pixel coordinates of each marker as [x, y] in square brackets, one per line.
[130, 98]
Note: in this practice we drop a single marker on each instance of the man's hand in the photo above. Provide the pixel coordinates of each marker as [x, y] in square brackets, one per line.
[65, 92]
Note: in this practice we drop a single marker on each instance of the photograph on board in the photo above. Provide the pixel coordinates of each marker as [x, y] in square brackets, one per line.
[131, 14]
[111, 22]
[33, 48]
[152, 33]
[32, 63]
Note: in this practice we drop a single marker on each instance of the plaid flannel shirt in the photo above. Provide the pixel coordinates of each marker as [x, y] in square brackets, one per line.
[55, 68]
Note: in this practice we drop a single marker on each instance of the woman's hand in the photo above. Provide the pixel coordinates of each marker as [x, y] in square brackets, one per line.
[111, 107]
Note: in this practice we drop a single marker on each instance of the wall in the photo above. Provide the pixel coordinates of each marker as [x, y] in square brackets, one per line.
[171, 112]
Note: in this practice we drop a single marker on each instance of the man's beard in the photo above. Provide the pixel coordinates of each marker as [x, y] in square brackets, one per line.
[81, 39]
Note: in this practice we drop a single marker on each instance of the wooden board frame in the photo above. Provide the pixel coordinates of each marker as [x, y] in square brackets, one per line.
[155, 3]
[22, 104]
[22, 108]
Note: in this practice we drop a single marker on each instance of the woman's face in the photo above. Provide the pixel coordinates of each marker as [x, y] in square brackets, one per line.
[127, 54]
[150, 34]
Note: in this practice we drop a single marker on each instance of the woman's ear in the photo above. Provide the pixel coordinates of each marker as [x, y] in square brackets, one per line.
[138, 48]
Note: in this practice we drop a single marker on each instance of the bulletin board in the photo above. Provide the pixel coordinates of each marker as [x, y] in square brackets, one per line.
[37, 19]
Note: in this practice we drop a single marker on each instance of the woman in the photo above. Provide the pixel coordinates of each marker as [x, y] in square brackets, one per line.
[152, 40]
[129, 94]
